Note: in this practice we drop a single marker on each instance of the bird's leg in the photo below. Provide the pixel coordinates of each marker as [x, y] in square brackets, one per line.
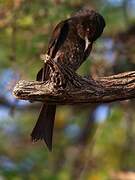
[62, 75]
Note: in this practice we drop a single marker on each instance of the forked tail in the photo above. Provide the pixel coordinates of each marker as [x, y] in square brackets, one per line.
[44, 126]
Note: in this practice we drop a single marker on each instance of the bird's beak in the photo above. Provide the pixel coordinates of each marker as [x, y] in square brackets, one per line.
[87, 42]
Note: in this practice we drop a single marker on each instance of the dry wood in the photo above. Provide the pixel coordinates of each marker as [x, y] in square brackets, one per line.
[79, 90]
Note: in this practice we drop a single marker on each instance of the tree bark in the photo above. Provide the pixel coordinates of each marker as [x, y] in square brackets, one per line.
[79, 90]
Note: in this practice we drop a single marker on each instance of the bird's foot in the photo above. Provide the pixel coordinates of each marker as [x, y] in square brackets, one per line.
[45, 57]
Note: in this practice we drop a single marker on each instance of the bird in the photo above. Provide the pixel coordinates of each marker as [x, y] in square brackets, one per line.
[70, 45]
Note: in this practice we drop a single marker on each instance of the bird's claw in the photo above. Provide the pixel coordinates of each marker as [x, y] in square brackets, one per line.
[45, 57]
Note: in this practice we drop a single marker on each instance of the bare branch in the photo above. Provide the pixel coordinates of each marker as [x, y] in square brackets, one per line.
[80, 90]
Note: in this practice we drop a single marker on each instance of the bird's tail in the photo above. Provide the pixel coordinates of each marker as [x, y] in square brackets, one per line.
[44, 126]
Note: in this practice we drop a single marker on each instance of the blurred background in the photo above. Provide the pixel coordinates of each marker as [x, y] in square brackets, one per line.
[93, 142]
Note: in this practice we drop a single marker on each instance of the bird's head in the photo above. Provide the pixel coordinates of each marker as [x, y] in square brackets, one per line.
[90, 24]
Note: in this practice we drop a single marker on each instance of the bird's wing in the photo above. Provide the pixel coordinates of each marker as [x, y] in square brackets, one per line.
[59, 35]
[43, 73]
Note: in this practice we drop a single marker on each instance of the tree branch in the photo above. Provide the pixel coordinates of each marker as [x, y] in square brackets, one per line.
[79, 89]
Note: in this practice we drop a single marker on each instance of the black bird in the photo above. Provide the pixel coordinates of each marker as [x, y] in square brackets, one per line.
[70, 44]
